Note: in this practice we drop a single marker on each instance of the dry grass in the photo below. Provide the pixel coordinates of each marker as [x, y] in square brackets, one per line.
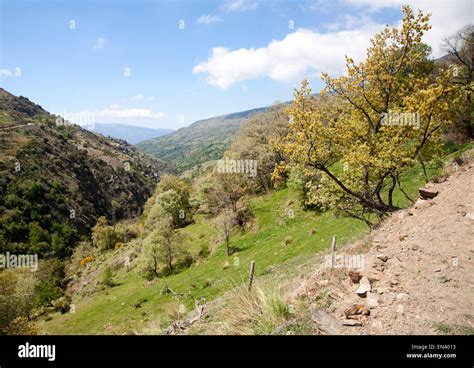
[258, 311]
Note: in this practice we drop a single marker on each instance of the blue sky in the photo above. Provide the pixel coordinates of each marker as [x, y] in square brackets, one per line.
[188, 60]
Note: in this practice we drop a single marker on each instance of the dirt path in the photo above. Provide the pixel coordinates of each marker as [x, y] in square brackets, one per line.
[420, 266]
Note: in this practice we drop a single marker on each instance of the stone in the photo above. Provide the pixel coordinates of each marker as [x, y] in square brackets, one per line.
[357, 310]
[364, 287]
[351, 322]
[427, 194]
[372, 300]
[355, 276]
[419, 203]
[326, 323]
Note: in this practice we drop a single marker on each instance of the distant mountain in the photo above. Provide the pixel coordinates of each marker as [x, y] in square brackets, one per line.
[202, 141]
[56, 179]
[131, 134]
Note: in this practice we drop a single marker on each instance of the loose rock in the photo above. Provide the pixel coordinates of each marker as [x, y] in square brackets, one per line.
[364, 287]
[326, 323]
[372, 300]
[351, 322]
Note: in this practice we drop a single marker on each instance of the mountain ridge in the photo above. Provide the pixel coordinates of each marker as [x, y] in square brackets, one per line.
[130, 133]
[202, 141]
[57, 179]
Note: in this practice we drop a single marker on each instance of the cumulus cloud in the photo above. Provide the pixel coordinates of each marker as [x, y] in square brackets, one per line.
[239, 5]
[307, 53]
[209, 19]
[287, 60]
[446, 16]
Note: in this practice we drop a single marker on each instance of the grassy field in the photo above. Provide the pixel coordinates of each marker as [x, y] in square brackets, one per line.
[277, 240]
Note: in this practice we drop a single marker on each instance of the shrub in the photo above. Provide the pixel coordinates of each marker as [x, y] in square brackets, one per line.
[204, 251]
[255, 311]
[50, 276]
[16, 287]
[118, 245]
[86, 260]
[186, 262]
[103, 235]
[107, 277]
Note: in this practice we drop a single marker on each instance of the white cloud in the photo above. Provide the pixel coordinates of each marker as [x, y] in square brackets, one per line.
[307, 53]
[5, 73]
[287, 60]
[349, 21]
[99, 44]
[130, 113]
[209, 19]
[114, 106]
[446, 16]
[151, 98]
[239, 5]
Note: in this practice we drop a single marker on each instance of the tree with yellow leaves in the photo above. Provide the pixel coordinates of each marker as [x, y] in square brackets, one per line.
[379, 118]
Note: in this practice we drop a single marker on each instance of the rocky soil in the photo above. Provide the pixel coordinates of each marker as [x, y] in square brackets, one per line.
[416, 274]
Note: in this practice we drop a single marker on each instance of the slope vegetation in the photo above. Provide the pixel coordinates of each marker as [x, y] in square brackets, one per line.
[57, 179]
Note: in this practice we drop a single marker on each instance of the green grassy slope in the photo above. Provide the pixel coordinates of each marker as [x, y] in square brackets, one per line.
[113, 312]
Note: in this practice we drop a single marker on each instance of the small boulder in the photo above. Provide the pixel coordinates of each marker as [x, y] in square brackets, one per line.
[355, 276]
[372, 300]
[351, 322]
[364, 287]
[326, 323]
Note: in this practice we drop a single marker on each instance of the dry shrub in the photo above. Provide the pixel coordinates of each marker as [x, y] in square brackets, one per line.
[255, 312]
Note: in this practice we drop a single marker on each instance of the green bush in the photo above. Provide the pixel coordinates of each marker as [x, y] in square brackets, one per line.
[50, 276]
[107, 278]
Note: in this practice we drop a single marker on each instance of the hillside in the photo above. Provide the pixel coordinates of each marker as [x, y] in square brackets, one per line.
[286, 251]
[56, 179]
[419, 268]
[130, 133]
[202, 141]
